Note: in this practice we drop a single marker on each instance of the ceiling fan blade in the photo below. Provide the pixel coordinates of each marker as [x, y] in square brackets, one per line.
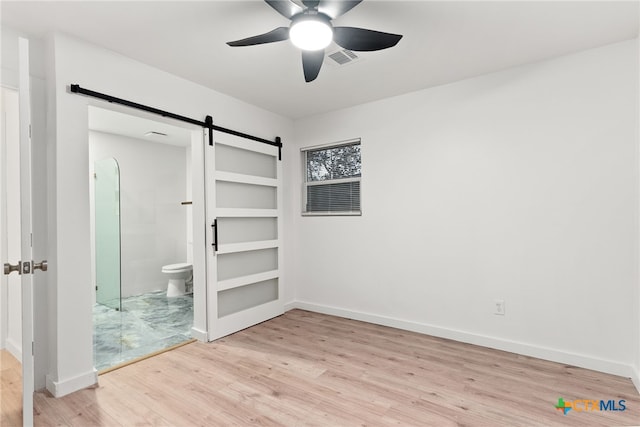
[363, 40]
[335, 8]
[277, 35]
[311, 63]
[285, 8]
[311, 4]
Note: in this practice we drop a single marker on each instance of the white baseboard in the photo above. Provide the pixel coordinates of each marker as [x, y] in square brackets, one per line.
[291, 305]
[635, 377]
[199, 335]
[14, 348]
[62, 388]
[574, 359]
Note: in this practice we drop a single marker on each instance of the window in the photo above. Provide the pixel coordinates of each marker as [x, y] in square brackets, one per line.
[332, 179]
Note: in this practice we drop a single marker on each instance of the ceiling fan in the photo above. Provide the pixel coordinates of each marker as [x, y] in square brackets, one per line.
[312, 32]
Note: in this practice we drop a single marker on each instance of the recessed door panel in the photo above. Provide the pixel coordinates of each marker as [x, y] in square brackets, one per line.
[235, 300]
[238, 264]
[246, 162]
[240, 195]
[241, 230]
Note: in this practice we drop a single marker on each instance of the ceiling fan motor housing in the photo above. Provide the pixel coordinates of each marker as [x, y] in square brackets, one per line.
[311, 30]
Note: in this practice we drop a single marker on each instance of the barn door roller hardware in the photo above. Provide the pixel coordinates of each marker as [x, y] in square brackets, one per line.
[207, 124]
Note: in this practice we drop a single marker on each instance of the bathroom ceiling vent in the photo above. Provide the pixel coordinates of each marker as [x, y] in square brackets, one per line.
[154, 133]
[341, 57]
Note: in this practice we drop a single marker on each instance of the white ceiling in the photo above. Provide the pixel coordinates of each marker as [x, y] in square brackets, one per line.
[444, 41]
[110, 121]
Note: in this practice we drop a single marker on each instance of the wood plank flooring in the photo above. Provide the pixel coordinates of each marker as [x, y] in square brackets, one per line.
[10, 390]
[305, 368]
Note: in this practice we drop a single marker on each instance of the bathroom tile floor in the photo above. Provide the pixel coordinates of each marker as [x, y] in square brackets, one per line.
[147, 323]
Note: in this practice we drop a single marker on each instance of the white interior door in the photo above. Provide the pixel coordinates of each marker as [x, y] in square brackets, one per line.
[244, 203]
[25, 266]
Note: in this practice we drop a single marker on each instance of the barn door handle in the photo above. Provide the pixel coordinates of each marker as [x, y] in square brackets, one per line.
[215, 235]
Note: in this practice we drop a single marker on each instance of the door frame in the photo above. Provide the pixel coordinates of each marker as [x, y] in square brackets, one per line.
[199, 329]
[26, 236]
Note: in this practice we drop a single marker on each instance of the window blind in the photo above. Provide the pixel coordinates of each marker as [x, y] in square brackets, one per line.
[328, 198]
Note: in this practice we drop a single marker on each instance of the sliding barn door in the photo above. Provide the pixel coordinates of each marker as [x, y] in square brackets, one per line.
[244, 203]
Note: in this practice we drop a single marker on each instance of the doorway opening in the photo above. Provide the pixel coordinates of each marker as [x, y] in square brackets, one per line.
[142, 235]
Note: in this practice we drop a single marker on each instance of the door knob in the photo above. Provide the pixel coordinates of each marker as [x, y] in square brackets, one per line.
[8, 268]
[40, 265]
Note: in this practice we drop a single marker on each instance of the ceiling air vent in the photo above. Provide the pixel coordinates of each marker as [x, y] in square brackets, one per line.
[342, 57]
[154, 133]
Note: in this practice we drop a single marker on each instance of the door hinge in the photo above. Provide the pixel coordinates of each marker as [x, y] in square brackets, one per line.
[29, 130]
[33, 351]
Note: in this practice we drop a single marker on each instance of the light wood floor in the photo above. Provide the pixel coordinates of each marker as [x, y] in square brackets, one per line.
[304, 368]
[10, 390]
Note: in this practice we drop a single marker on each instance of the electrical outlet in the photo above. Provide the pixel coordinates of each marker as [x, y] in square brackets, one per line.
[499, 307]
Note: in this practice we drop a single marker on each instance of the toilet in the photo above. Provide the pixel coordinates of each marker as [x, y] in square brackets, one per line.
[179, 275]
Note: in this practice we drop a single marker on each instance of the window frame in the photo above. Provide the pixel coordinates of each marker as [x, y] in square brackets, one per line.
[306, 183]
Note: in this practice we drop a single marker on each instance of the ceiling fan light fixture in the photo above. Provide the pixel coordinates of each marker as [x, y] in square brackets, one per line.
[311, 33]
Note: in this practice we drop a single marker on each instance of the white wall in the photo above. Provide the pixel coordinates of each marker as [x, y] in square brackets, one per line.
[73, 61]
[519, 185]
[152, 186]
